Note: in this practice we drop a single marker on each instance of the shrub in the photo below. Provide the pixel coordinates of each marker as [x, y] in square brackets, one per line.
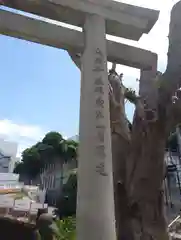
[67, 203]
[66, 229]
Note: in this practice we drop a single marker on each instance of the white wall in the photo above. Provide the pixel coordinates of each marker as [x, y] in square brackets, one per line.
[8, 148]
[9, 177]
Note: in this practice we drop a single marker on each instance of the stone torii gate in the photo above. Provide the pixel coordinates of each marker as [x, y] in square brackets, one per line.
[95, 209]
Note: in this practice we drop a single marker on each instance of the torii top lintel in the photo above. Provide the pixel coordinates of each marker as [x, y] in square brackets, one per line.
[122, 19]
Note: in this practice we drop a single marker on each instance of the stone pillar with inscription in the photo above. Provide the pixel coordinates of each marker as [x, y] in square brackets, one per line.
[95, 203]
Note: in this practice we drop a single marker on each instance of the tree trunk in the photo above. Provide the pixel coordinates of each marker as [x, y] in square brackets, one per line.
[120, 144]
[145, 174]
[145, 165]
[119, 151]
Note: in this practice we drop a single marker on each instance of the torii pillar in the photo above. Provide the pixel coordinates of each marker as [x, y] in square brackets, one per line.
[95, 204]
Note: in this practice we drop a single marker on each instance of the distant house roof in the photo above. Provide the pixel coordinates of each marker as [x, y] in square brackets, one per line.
[74, 138]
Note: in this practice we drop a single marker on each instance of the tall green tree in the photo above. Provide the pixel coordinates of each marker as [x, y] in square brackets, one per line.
[19, 168]
[32, 161]
[70, 150]
[68, 153]
[57, 143]
[67, 203]
[46, 153]
[53, 139]
[52, 148]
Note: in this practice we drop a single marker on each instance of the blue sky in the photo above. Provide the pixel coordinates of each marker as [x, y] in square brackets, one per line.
[40, 86]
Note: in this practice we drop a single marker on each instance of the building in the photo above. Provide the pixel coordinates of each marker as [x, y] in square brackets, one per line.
[172, 184]
[9, 178]
[74, 138]
[8, 151]
[5, 162]
[9, 182]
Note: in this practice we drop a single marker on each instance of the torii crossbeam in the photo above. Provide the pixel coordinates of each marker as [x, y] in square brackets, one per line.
[39, 31]
[122, 19]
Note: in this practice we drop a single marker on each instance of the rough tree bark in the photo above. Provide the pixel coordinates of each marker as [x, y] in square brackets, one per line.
[145, 173]
[120, 143]
[145, 164]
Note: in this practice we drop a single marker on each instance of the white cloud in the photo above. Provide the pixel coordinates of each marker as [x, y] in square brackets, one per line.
[8, 127]
[24, 135]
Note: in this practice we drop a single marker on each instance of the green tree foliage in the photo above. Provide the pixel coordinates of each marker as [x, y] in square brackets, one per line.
[31, 161]
[70, 150]
[68, 200]
[19, 168]
[42, 153]
[66, 229]
[53, 139]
